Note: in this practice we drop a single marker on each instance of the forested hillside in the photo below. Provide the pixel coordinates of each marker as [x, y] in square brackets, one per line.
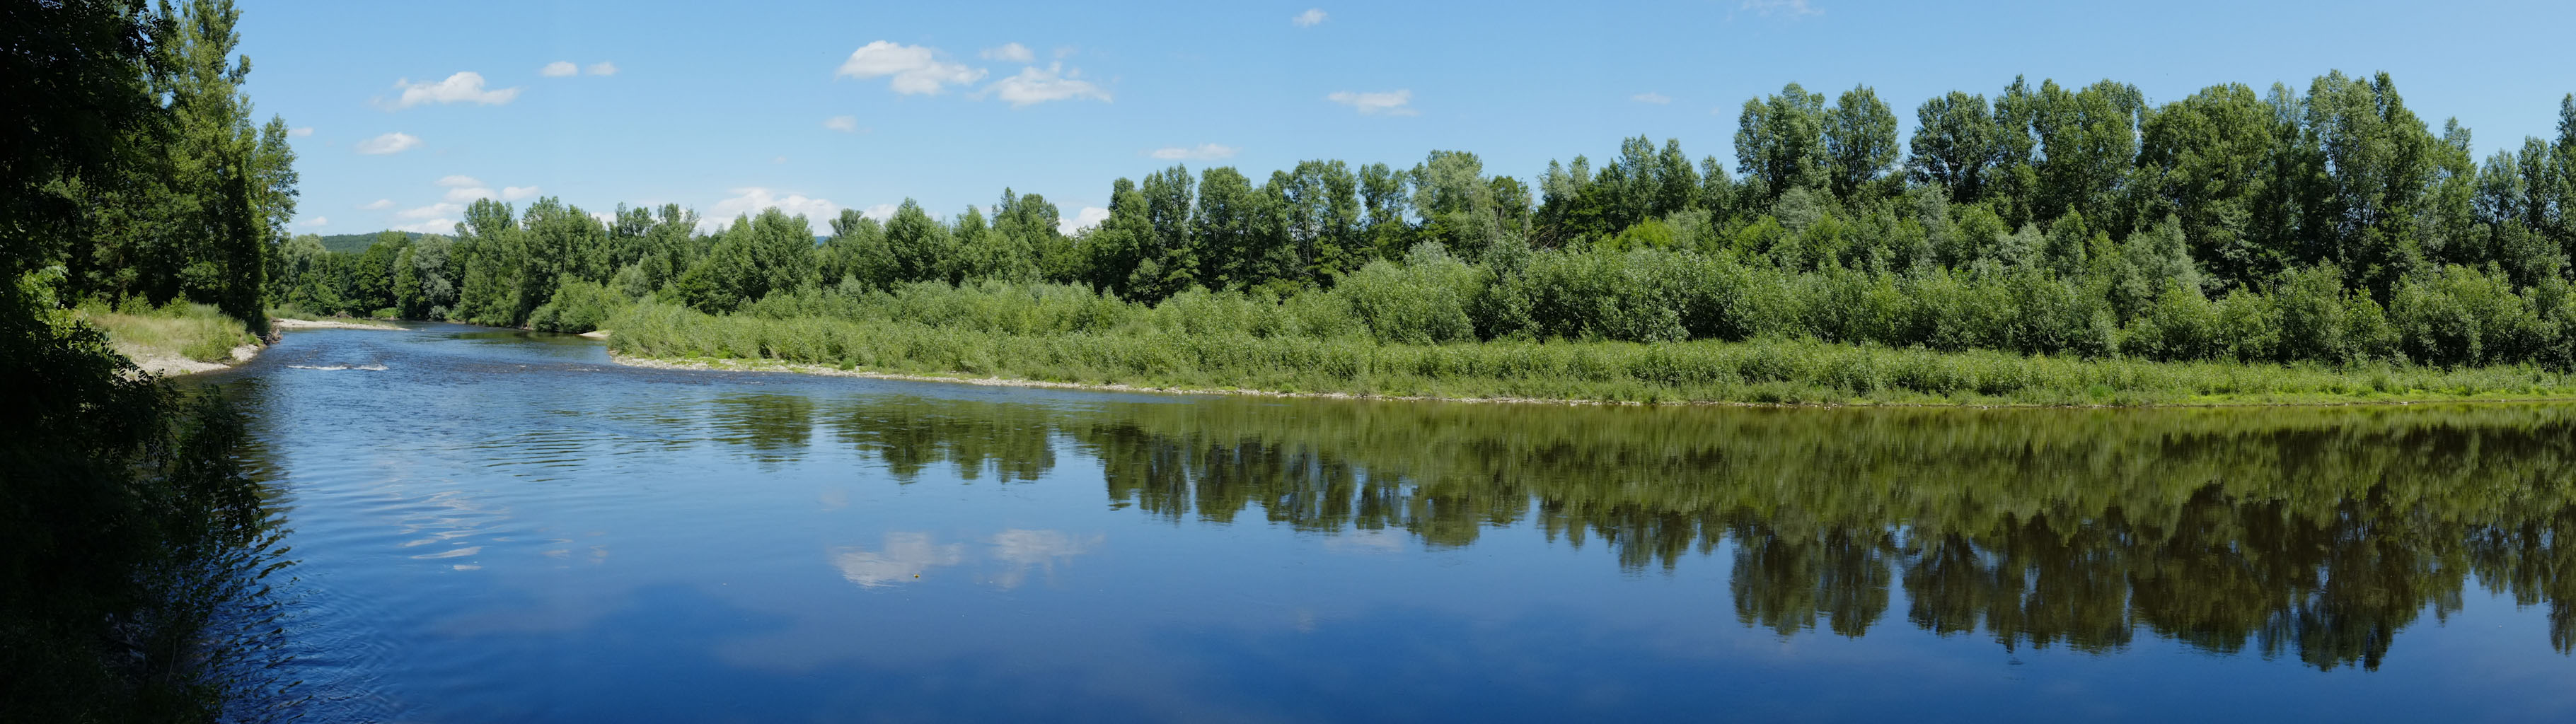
[2332, 225]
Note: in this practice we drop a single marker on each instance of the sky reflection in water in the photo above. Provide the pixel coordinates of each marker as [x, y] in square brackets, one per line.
[503, 526]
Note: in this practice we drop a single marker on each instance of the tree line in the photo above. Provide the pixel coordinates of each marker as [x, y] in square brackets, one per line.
[2330, 225]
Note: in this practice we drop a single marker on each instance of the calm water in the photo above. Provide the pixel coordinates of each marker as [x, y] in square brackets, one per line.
[498, 526]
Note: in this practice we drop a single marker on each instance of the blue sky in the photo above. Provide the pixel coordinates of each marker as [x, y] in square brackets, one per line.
[817, 107]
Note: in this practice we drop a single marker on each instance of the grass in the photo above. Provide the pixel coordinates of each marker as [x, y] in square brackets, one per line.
[1764, 371]
[194, 331]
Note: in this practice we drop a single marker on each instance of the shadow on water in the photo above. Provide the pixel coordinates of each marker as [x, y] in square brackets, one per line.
[2314, 533]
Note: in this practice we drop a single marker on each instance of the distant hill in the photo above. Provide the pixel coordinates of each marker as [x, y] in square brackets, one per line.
[358, 243]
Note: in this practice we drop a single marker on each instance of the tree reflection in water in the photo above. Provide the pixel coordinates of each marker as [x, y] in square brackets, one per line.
[2314, 532]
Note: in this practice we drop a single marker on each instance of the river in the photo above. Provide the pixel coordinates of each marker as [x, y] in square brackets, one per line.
[492, 526]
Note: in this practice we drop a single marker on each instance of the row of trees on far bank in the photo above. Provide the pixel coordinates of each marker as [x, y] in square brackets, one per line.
[2329, 225]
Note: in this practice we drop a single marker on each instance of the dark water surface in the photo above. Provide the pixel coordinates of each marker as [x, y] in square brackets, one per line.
[498, 526]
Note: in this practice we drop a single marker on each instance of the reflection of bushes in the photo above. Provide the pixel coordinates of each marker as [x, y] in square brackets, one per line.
[2314, 532]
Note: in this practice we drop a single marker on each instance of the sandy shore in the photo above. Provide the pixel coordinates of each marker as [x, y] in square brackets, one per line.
[743, 365]
[327, 324]
[165, 364]
[764, 365]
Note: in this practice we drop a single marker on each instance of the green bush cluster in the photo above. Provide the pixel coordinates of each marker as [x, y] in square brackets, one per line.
[1062, 334]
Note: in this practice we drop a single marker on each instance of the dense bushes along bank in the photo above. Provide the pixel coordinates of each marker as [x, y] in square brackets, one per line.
[1410, 337]
[2332, 227]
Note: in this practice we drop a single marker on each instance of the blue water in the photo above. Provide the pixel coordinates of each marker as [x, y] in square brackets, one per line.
[500, 526]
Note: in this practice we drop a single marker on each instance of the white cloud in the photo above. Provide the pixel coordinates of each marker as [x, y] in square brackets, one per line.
[1308, 19]
[1033, 86]
[462, 194]
[301, 132]
[844, 124]
[514, 193]
[1201, 152]
[459, 180]
[1651, 97]
[432, 226]
[752, 199]
[316, 221]
[1013, 52]
[559, 69]
[880, 212]
[378, 205]
[1088, 217]
[1022, 550]
[602, 68]
[906, 557]
[1775, 8]
[432, 211]
[388, 143]
[912, 68]
[1369, 104]
[466, 87]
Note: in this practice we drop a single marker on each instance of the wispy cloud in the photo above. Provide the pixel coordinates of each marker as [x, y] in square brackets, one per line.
[377, 205]
[397, 142]
[1651, 97]
[466, 87]
[1782, 8]
[459, 180]
[559, 69]
[1393, 103]
[1309, 19]
[1053, 83]
[443, 208]
[301, 132]
[318, 221]
[911, 69]
[844, 124]
[1201, 152]
[603, 68]
[1012, 52]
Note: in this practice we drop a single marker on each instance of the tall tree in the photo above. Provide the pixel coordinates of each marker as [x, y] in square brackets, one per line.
[1779, 142]
[2206, 160]
[1860, 141]
[1955, 142]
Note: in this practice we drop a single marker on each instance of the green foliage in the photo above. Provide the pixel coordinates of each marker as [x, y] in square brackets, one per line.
[1423, 300]
[129, 169]
[577, 306]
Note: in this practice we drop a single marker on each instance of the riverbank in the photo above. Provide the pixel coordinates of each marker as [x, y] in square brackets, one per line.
[330, 324]
[1761, 372]
[175, 339]
[185, 339]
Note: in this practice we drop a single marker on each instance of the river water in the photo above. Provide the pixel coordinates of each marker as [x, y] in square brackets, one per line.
[492, 526]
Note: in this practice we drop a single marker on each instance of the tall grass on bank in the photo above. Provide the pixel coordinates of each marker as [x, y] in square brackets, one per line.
[1052, 334]
[196, 331]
